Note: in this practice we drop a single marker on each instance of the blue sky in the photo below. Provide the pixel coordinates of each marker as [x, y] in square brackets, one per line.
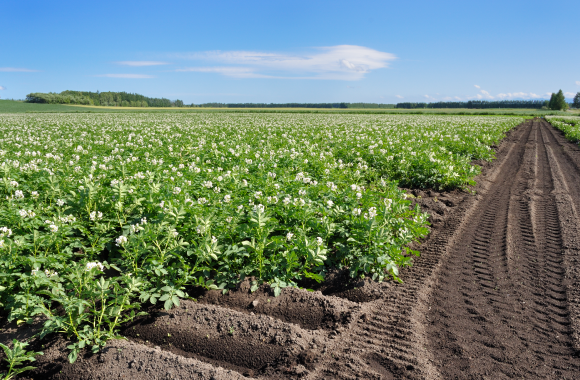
[292, 51]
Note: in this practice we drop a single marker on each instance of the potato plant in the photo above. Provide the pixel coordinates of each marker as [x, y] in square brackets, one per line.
[102, 213]
[570, 125]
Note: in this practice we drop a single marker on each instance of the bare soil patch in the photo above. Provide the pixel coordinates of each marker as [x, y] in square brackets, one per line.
[501, 306]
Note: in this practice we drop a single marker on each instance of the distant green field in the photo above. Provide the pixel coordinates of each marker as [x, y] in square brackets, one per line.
[11, 106]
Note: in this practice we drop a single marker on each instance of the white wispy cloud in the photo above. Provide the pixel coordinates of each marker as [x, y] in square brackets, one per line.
[342, 62]
[2, 88]
[483, 94]
[234, 72]
[17, 69]
[399, 96]
[522, 95]
[486, 94]
[569, 94]
[578, 82]
[126, 76]
[141, 63]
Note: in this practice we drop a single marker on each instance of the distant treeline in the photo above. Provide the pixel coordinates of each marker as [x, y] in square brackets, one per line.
[114, 99]
[296, 105]
[478, 104]
[274, 105]
[125, 99]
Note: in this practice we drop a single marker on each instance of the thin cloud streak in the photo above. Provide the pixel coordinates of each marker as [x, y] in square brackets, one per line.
[17, 70]
[141, 63]
[2, 88]
[485, 95]
[520, 95]
[342, 62]
[126, 76]
[234, 72]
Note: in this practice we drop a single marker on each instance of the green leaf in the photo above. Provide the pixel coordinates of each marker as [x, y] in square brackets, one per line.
[314, 276]
[72, 357]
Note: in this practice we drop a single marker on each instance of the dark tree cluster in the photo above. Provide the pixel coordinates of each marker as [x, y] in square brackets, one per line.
[478, 104]
[114, 99]
[576, 102]
[274, 105]
[297, 105]
[369, 105]
[558, 101]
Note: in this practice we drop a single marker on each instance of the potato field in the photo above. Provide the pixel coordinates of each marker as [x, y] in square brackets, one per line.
[105, 217]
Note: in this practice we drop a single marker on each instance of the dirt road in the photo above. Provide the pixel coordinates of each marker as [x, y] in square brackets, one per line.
[500, 309]
[495, 294]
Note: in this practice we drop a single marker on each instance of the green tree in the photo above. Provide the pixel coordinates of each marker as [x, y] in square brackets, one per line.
[576, 103]
[558, 101]
[552, 101]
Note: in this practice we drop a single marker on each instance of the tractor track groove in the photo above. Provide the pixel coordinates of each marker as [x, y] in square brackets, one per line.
[503, 311]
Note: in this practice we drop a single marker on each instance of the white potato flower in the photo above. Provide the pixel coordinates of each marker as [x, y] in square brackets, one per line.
[5, 231]
[121, 240]
[94, 264]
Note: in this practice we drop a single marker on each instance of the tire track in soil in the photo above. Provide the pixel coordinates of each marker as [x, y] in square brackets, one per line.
[501, 308]
[567, 194]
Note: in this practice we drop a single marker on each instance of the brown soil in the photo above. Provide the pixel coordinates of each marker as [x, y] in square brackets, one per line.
[501, 306]
[494, 294]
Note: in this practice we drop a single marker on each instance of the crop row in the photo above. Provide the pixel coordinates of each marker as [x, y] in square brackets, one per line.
[570, 125]
[105, 212]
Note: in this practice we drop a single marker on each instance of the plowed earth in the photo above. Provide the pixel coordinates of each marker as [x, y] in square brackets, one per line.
[495, 294]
